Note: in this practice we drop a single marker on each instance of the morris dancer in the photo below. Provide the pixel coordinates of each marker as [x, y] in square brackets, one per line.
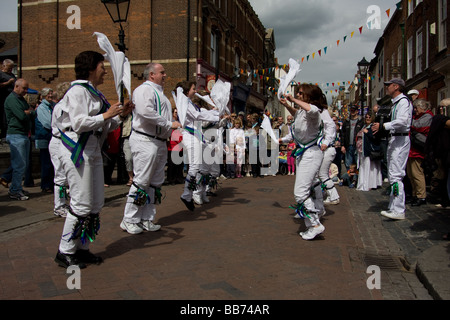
[84, 123]
[306, 131]
[193, 141]
[152, 126]
[399, 145]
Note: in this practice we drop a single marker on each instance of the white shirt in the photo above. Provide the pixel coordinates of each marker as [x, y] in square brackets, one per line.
[306, 127]
[79, 112]
[401, 116]
[329, 129]
[153, 112]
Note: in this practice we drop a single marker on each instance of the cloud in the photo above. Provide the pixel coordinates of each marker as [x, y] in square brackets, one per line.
[302, 27]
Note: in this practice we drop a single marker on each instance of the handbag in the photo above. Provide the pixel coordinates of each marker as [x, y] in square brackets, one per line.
[418, 140]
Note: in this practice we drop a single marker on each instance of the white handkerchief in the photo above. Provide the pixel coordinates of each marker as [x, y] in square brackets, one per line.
[268, 128]
[119, 63]
[182, 103]
[220, 94]
[207, 99]
[294, 69]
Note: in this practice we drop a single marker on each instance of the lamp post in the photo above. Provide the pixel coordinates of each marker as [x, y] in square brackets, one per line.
[363, 66]
[118, 11]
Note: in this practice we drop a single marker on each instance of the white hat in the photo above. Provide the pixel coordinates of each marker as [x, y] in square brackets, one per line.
[414, 91]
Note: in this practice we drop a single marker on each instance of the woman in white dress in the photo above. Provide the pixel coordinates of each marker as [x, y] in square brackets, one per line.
[369, 169]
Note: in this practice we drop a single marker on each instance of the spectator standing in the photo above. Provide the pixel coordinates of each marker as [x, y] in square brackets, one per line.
[43, 135]
[7, 80]
[419, 131]
[369, 176]
[174, 146]
[18, 115]
[350, 128]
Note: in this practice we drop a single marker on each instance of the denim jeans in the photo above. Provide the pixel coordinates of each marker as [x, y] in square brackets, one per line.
[351, 156]
[20, 154]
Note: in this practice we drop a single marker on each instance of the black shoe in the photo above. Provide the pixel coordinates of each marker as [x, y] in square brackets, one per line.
[189, 205]
[85, 256]
[418, 202]
[410, 200]
[67, 260]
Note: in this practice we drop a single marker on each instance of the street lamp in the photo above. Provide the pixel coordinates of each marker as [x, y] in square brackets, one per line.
[118, 11]
[363, 67]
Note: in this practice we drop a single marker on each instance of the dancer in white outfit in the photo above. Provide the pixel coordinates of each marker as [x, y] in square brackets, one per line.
[306, 131]
[60, 180]
[329, 152]
[399, 145]
[152, 126]
[194, 144]
[84, 122]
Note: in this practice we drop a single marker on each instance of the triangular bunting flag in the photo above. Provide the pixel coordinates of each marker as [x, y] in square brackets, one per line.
[388, 12]
[345, 38]
[360, 29]
[320, 52]
[338, 42]
[325, 50]
[353, 32]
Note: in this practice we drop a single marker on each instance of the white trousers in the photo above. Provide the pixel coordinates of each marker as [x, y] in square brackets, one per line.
[194, 150]
[307, 168]
[397, 158]
[60, 177]
[210, 165]
[86, 189]
[324, 173]
[149, 160]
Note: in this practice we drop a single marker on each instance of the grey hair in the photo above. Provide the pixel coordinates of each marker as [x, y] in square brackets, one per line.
[7, 62]
[46, 91]
[422, 104]
[149, 69]
[445, 102]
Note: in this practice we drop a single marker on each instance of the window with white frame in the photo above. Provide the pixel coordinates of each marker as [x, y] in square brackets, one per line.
[214, 50]
[442, 15]
[410, 58]
[410, 7]
[419, 50]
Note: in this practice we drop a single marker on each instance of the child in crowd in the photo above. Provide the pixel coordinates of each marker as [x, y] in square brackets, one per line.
[291, 160]
[351, 177]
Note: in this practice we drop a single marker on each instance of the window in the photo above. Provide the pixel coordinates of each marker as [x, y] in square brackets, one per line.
[410, 58]
[442, 24]
[214, 50]
[410, 7]
[237, 62]
[419, 50]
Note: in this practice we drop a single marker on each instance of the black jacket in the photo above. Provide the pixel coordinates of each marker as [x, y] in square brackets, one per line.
[345, 138]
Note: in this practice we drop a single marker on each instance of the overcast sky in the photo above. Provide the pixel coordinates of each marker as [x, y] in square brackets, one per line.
[302, 27]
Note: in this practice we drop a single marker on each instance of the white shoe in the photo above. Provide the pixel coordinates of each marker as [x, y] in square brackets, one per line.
[327, 201]
[205, 199]
[61, 211]
[393, 215]
[321, 214]
[197, 199]
[132, 228]
[148, 225]
[312, 232]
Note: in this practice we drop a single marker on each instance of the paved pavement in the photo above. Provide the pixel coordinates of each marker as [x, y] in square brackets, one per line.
[244, 245]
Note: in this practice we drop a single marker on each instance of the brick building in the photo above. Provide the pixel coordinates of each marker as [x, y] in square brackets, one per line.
[196, 40]
[415, 47]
